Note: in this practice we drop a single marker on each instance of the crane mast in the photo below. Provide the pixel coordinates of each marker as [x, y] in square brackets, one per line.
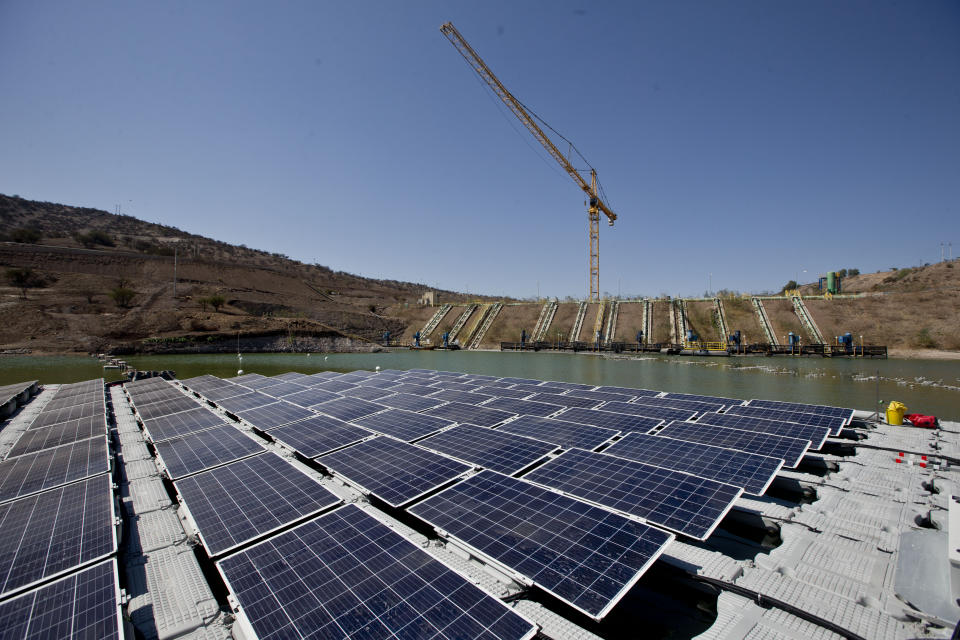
[596, 205]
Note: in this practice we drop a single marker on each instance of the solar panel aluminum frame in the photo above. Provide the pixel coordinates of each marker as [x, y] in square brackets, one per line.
[109, 469]
[165, 470]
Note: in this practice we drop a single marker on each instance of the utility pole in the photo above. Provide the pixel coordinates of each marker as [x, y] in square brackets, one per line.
[174, 271]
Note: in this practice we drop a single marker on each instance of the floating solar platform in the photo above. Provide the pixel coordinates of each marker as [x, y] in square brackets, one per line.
[255, 384]
[586, 556]
[245, 402]
[181, 424]
[816, 435]
[82, 605]
[349, 409]
[565, 400]
[322, 376]
[84, 398]
[409, 401]
[452, 385]
[503, 452]
[519, 381]
[319, 435]
[677, 501]
[648, 411]
[50, 418]
[790, 450]
[602, 396]
[846, 414]
[523, 407]
[219, 394]
[834, 423]
[274, 415]
[394, 471]
[348, 575]
[539, 388]
[403, 425]
[559, 432]
[293, 376]
[58, 434]
[380, 382]
[50, 533]
[166, 407]
[241, 501]
[143, 398]
[751, 472]
[624, 422]
[50, 468]
[470, 414]
[203, 450]
[466, 397]
[247, 377]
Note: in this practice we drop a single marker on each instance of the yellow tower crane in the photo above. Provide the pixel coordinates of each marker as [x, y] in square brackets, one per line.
[596, 205]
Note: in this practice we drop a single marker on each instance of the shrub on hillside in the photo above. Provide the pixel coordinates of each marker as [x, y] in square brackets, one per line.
[25, 278]
[924, 340]
[25, 235]
[95, 237]
[122, 296]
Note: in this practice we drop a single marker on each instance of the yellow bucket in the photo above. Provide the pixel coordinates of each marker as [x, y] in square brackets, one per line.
[895, 412]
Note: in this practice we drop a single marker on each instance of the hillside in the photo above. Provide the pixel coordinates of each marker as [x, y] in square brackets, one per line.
[75, 258]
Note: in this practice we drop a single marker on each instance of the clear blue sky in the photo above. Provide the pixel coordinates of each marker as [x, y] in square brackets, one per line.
[750, 140]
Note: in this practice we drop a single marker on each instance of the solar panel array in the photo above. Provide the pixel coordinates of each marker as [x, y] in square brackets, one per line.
[816, 435]
[834, 423]
[318, 435]
[503, 452]
[560, 433]
[27, 474]
[790, 450]
[213, 447]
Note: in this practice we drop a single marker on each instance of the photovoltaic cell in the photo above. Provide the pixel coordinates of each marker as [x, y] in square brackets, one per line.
[245, 402]
[63, 433]
[275, 415]
[403, 425]
[570, 386]
[54, 531]
[661, 413]
[198, 451]
[348, 575]
[498, 392]
[603, 396]
[624, 422]
[559, 432]
[728, 402]
[49, 418]
[380, 382]
[630, 391]
[677, 501]
[834, 423]
[292, 376]
[816, 435]
[676, 403]
[790, 450]
[409, 402]
[458, 386]
[180, 424]
[523, 407]
[334, 385]
[24, 475]
[413, 389]
[322, 376]
[539, 388]
[143, 398]
[349, 409]
[469, 414]
[586, 556]
[503, 452]
[394, 471]
[243, 500]
[249, 377]
[255, 384]
[319, 435]
[82, 605]
[220, 394]
[84, 398]
[751, 472]
[166, 407]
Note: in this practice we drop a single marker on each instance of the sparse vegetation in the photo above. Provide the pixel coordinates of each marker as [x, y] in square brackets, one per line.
[94, 238]
[26, 235]
[790, 286]
[122, 296]
[23, 279]
[924, 340]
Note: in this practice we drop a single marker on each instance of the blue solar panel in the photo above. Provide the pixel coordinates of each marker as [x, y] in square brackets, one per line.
[294, 376]
[676, 403]
[413, 389]
[564, 401]
[52, 532]
[67, 414]
[662, 413]
[319, 435]
[834, 423]
[409, 402]
[249, 377]
[180, 424]
[677, 501]
[366, 393]
[503, 452]
[790, 450]
[729, 402]
[523, 407]
[458, 386]
[82, 605]
[603, 396]
[469, 414]
[24, 475]
[586, 556]
[559, 432]
[84, 398]
[243, 500]
[143, 398]
[166, 407]
[539, 388]
[498, 392]
[380, 382]
[570, 386]
[609, 420]
[334, 385]
[275, 415]
[394, 471]
[349, 408]
[751, 472]
[403, 425]
[205, 449]
[816, 435]
[257, 383]
[282, 389]
[466, 397]
[846, 414]
[63, 433]
[222, 393]
[630, 391]
[322, 376]
[519, 381]
[311, 397]
[348, 575]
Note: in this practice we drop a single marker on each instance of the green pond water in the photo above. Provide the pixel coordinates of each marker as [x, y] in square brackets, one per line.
[925, 386]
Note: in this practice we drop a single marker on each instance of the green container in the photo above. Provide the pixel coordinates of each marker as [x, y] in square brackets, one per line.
[832, 281]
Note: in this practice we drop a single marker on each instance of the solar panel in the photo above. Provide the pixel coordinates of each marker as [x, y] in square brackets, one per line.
[466, 413]
[255, 384]
[205, 380]
[275, 415]
[630, 391]
[292, 376]
[519, 381]
[166, 408]
[466, 397]
[476, 377]
[559, 432]
[846, 414]
[63, 433]
[610, 420]
[282, 389]
[51, 468]
[729, 402]
[219, 394]
[676, 403]
[834, 423]
[458, 386]
[603, 396]
[409, 402]
[348, 575]
[503, 452]
[538, 388]
[570, 386]
[235, 503]
[82, 605]
[248, 377]
[49, 418]
[413, 389]
[245, 402]
[83, 398]
[523, 407]
[499, 392]
[180, 424]
[334, 385]
[54, 531]
[403, 425]
[584, 555]
[790, 450]
[354, 377]
[319, 435]
[206, 449]
[677, 501]
[564, 401]
[394, 471]
[321, 376]
[751, 472]
[380, 382]
[149, 397]
[366, 393]
[661, 413]
[349, 409]
[816, 435]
